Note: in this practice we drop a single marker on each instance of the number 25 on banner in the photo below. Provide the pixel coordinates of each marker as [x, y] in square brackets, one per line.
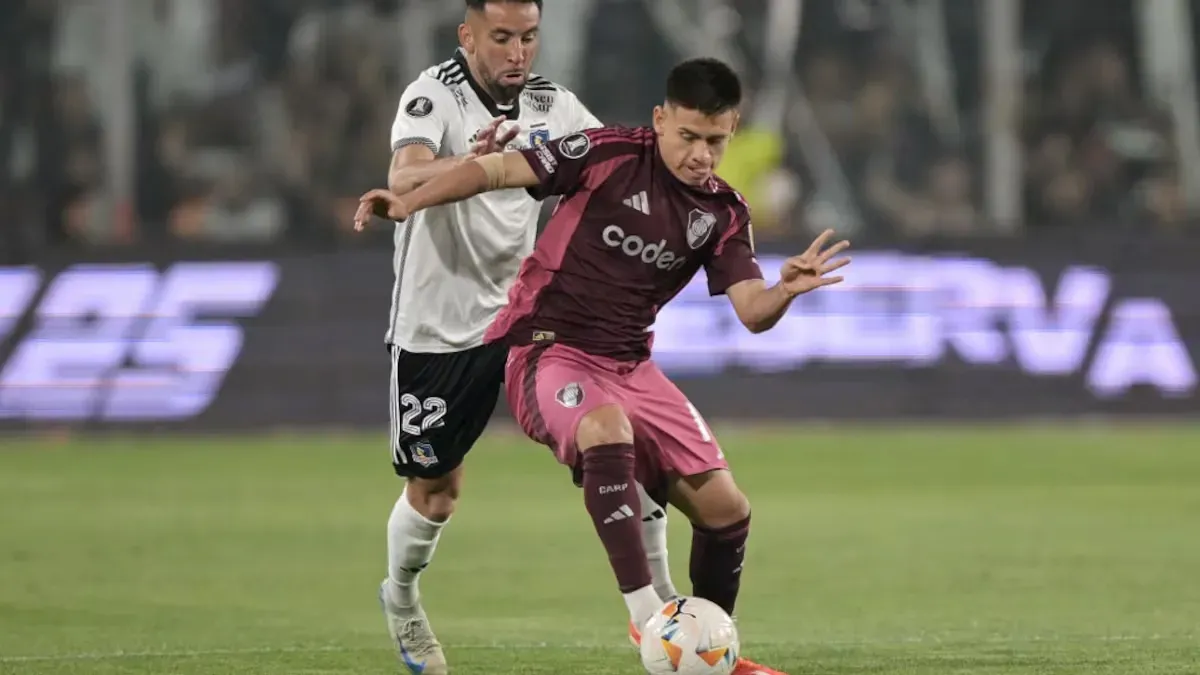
[124, 342]
[17, 288]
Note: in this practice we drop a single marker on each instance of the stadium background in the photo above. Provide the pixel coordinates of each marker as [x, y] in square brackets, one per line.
[191, 358]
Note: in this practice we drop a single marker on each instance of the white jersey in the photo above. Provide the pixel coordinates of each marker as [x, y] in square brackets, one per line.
[455, 263]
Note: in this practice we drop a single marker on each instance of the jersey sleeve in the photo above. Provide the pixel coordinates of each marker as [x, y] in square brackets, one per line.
[561, 164]
[733, 260]
[423, 115]
[581, 118]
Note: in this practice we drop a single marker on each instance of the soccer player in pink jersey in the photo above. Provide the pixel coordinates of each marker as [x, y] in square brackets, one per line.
[642, 211]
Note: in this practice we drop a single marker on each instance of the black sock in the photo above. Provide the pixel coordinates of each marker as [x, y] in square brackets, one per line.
[716, 564]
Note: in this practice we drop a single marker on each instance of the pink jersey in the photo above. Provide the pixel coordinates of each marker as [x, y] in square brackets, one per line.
[626, 237]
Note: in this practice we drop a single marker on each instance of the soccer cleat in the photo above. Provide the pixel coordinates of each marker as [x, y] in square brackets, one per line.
[748, 667]
[743, 667]
[416, 645]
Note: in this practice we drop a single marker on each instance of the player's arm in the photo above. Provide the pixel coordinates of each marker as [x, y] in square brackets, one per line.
[553, 168]
[759, 306]
[414, 163]
[733, 270]
[426, 112]
[497, 171]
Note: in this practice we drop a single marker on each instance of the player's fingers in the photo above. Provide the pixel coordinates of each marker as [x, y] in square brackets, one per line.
[482, 145]
[377, 202]
[829, 281]
[507, 137]
[487, 133]
[377, 195]
[835, 265]
[801, 262]
[819, 242]
[834, 250]
[362, 216]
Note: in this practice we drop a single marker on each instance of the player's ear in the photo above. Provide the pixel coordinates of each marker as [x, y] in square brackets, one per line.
[465, 39]
[660, 119]
[737, 120]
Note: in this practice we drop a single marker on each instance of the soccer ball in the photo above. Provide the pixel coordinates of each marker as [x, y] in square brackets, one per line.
[691, 636]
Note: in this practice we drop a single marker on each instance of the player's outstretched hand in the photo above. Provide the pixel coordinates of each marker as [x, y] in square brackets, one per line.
[807, 271]
[381, 203]
[491, 140]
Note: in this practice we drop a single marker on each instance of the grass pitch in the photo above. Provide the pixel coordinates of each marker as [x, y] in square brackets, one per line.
[916, 552]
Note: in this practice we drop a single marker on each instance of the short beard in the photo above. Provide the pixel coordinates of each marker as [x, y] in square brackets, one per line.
[505, 94]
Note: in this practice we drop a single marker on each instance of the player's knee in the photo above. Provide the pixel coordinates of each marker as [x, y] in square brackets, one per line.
[604, 426]
[711, 500]
[435, 498]
[737, 509]
[727, 509]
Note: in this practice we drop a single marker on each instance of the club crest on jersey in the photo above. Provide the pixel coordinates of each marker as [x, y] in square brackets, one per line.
[539, 137]
[541, 102]
[422, 453]
[570, 396]
[700, 226]
[420, 106]
[575, 146]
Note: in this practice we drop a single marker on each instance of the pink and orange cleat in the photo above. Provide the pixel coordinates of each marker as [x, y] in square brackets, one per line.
[743, 667]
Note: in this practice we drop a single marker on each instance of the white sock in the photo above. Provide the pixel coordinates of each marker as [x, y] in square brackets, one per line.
[654, 538]
[642, 604]
[412, 539]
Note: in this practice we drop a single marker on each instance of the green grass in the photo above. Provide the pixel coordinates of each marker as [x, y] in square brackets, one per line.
[916, 552]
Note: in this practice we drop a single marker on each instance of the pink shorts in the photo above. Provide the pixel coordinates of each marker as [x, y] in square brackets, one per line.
[551, 388]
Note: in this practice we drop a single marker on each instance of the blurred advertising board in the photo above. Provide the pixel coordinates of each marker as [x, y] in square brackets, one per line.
[246, 338]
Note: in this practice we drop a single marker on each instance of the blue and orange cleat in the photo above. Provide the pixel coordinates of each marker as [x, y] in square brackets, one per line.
[744, 666]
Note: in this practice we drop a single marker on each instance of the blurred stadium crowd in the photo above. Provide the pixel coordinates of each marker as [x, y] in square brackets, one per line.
[260, 121]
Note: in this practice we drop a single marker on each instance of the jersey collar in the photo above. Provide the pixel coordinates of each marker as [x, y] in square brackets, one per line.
[512, 112]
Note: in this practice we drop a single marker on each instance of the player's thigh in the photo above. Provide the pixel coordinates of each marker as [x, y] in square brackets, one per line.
[550, 390]
[666, 420]
[440, 406]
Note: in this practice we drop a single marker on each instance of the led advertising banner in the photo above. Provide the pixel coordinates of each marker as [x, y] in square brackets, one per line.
[256, 339]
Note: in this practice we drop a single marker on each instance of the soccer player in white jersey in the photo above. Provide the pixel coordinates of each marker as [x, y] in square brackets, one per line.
[454, 265]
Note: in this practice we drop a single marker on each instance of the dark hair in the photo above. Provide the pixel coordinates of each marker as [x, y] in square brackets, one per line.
[480, 4]
[706, 85]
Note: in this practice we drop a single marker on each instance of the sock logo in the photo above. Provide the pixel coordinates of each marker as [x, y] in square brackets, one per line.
[622, 513]
[611, 489]
[656, 514]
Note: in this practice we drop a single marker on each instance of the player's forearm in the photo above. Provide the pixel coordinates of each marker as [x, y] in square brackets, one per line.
[404, 179]
[454, 185]
[765, 308]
